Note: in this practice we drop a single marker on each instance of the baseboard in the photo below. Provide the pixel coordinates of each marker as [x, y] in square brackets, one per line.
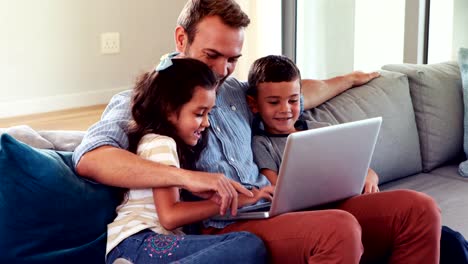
[55, 103]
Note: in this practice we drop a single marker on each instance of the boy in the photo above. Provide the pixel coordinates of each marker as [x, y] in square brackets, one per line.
[274, 95]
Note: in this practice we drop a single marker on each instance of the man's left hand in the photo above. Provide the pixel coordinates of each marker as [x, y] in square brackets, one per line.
[359, 78]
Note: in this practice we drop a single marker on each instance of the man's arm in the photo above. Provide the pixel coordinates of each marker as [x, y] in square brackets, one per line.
[316, 92]
[116, 167]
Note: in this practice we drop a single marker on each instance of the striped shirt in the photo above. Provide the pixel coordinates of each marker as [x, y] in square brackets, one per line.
[229, 138]
[138, 211]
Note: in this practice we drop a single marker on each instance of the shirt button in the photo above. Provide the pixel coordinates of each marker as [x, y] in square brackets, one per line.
[232, 159]
[217, 128]
[233, 107]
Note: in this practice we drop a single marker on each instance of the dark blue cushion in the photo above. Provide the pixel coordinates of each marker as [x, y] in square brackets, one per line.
[48, 214]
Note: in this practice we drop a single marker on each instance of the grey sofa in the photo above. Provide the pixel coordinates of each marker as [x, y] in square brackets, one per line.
[420, 143]
[421, 140]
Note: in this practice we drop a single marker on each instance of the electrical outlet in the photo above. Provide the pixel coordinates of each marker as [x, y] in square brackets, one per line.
[110, 42]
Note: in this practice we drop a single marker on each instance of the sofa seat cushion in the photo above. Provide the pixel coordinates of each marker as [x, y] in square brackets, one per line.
[397, 152]
[446, 187]
[48, 214]
[437, 99]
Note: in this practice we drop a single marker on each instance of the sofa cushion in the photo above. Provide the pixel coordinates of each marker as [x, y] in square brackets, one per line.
[446, 187]
[28, 135]
[437, 99]
[63, 140]
[397, 152]
[463, 63]
[48, 214]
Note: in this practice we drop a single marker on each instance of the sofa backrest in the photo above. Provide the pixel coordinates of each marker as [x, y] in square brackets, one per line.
[397, 153]
[436, 93]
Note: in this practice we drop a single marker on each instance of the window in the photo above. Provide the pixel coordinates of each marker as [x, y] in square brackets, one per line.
[337, 36]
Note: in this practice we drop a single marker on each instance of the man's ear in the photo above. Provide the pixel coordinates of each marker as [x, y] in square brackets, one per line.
[180, 39]
[252, 102]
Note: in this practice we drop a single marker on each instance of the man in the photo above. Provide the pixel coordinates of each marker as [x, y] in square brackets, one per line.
[403, 226]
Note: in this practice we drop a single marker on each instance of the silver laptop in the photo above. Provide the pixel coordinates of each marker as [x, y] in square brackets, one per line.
[319, 166]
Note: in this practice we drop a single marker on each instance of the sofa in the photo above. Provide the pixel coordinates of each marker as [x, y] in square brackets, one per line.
[420, 144]
[51, 215]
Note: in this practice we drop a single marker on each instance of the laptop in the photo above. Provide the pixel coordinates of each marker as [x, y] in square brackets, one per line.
[319, 166]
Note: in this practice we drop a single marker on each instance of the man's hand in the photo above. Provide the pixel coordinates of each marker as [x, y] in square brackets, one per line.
[216, 187]
[371, 184]
[359, 78]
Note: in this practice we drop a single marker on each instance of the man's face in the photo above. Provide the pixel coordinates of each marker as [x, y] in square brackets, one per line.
[217, 45]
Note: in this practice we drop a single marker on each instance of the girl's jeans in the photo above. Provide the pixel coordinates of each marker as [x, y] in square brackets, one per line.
[149, 247]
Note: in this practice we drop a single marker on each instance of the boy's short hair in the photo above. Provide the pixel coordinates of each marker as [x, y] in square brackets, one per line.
[194, 11]
[272, 68]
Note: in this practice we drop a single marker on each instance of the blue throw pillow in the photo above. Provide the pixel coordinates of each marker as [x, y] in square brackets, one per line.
[463, 62]
[48, 214]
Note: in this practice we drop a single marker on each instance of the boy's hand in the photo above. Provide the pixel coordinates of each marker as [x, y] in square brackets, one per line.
[262, 193]
[371, 185]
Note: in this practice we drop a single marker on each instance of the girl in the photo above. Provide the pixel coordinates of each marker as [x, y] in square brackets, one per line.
[170, 109]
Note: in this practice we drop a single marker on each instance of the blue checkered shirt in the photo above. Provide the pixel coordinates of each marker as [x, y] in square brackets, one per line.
[229, 138]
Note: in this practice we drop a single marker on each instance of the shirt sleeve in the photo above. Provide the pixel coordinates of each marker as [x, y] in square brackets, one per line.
[263, 150]
[111, 130]
[158, 148]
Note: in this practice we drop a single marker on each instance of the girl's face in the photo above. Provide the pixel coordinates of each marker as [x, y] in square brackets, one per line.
[193, 116]
[278, 103]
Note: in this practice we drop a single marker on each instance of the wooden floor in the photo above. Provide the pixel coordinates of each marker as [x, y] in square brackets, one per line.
[71, 119]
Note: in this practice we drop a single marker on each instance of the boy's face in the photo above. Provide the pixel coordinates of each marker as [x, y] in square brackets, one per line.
[278, 103]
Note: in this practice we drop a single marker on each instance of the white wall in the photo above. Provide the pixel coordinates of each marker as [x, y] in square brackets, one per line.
[50, 50]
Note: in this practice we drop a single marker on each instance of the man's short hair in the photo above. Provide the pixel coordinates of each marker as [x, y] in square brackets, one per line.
[272, 68]
[194, 11]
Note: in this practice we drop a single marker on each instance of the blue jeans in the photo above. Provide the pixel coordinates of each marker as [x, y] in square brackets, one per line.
[150, 247]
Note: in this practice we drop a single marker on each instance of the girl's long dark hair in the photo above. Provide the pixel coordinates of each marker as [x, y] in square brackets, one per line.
[158, 94]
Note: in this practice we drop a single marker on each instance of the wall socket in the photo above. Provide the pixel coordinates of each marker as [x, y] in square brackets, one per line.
[110, 42]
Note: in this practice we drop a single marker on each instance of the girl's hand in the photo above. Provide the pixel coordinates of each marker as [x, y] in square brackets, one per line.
[262, 193]
[371, 185]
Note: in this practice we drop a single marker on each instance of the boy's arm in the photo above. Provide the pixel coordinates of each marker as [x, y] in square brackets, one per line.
[266, 158]
[316, 92]
[271, 175]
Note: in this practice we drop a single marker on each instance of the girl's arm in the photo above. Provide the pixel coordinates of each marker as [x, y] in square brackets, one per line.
[174, 213]
[271, 175]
